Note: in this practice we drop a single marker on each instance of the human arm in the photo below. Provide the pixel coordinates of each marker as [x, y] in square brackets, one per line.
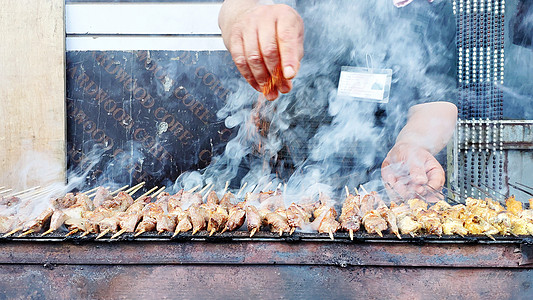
[410, 165]
[259, 37]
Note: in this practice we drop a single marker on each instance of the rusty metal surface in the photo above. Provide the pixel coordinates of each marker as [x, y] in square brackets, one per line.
[267, 252]
[260, 282]
[302, 266]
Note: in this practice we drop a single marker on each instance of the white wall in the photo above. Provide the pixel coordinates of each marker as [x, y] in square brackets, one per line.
[143, 26]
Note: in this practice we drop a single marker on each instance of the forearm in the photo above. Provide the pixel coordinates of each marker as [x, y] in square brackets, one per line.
[230, 11]
[430, 126]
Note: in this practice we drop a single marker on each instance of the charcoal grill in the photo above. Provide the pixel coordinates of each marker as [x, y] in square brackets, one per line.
[304, 265]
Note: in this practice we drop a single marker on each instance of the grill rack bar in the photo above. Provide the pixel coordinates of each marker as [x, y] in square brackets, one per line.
[243, 236]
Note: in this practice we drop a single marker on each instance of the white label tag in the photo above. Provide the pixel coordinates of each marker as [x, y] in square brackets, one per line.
[365, 84]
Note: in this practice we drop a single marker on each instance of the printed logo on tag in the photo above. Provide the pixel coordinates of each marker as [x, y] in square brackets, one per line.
[365, 84]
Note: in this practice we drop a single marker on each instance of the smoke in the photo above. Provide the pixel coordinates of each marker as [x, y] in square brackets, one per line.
[314, 142]
[39, 173]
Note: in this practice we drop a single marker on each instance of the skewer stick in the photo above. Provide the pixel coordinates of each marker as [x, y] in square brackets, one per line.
[24, 191]
[253, 189]
[39, 193]
[253, 232]
[521, 184]
[351, 234]
[72, 232]
[212, 231]
[284, 190]
[489, 236]
[441, 193]
[47, 232]
[149, 192]
[379, 233]
[494, 191]
[5, 191]
[118, 190]
[480, 189]
[279, 186]
[520, 189]
[347, 191]
[85, 233]
[27, 232]
[331, 235]
[204, 188]
[267, 186]
[194, 189]
[195, 231]
[421, 197]
[242, 188]
[457, 195]
[158, 192]
[132, 192]
[176, 232]
[36, 192]
[103, 233]
[90, 191]
[280, 232]
[412, 234]
[207, 193]
[292, 230]
[139, 233]
[363, 188]
[135, 187]
[397, 194]
[356, 191]
[225, 188]
[224, 230]
[119, 233]
[12, 231]
[94, 193]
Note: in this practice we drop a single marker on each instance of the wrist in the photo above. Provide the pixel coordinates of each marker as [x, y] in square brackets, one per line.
[411, 143]
[232, 12]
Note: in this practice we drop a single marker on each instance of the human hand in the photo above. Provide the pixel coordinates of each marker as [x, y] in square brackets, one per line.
[410, 171]
[260, 39]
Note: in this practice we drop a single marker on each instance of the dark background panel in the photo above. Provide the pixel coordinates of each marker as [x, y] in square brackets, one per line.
[151, 113]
